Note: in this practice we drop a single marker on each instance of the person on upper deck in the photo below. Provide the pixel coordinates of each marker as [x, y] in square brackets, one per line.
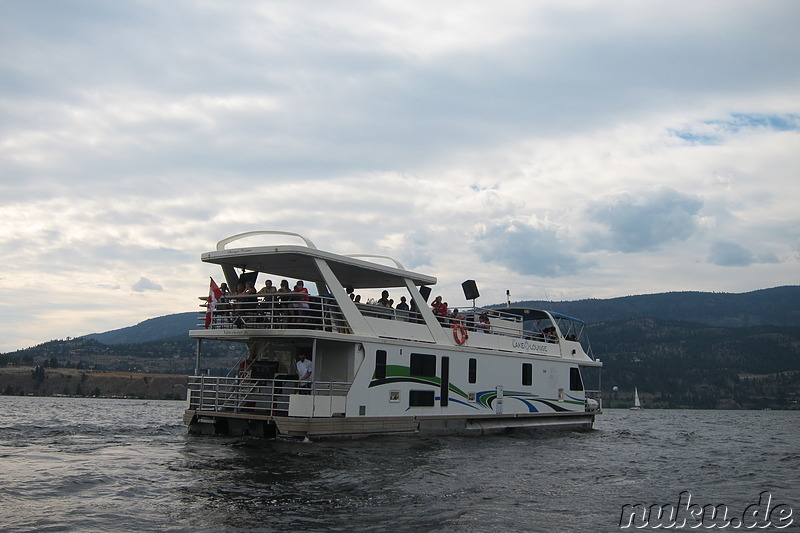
[455, 317]
[268, 302]
[384, 300]
[283, 300]
[402, 306]
[301, 301]
[483, 323]
[268, 288]
[436, 306]
[249, 302]
[224, 306]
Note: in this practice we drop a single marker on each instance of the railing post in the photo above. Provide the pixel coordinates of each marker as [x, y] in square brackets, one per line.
[197, 358]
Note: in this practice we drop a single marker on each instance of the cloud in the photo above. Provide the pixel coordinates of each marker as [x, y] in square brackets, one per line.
[725, 253]
[644, 221]
[715, 132]
[526, 248]
[145, 284]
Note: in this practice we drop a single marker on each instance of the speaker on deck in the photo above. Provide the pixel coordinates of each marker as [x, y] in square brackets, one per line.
[470, 290]
[425, 292]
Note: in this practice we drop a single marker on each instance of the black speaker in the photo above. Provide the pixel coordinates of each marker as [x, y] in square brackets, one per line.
[248, 276]
[470, 290]
[425, 291]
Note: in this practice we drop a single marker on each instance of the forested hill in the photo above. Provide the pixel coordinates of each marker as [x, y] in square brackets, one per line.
[153, 329]
[779, 306]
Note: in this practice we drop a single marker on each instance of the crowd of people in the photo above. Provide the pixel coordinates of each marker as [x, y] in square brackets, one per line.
[292, 304]
[289, 304]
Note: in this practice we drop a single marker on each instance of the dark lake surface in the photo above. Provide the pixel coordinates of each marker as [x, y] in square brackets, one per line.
[69, 464]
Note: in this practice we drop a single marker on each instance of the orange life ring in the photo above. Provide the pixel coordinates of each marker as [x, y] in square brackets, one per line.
[460, 334]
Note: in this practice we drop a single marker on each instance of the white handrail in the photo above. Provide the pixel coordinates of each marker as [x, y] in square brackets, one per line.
[221, 244]
[392, 259]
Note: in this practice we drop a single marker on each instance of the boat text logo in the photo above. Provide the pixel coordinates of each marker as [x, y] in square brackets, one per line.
[687, 515]
[528, 346]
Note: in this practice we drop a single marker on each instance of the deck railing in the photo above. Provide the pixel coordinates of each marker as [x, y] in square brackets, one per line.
[281, 311]
[273, 311]
[266, 397]
[594, 395]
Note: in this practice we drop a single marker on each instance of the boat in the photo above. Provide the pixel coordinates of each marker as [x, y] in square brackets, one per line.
[376, 369]
[637, 404]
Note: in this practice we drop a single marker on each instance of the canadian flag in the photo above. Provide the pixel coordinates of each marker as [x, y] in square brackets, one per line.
[214, 294]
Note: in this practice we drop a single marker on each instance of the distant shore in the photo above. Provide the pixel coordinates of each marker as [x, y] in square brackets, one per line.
[28, 381]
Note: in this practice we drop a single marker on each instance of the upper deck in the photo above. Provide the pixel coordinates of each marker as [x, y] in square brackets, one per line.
[334, 312]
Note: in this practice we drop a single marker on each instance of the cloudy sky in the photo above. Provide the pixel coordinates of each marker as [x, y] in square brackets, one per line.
[560, 150]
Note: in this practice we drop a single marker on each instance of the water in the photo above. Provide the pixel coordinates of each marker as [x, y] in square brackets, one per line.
[69, 464]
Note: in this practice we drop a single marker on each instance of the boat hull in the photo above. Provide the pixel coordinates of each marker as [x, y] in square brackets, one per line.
[237, 424]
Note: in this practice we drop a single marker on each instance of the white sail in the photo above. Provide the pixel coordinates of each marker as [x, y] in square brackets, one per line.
[636, 403]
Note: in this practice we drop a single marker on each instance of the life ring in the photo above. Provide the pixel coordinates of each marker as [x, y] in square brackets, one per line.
[460, 334]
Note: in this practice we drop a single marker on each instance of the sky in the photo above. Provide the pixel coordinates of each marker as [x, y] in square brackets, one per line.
[556, 149]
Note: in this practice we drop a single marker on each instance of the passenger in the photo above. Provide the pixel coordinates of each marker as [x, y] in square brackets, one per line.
[483, 324]
[238, 303]
[402, 306]
[384, 300]
[435, 305]
[301, 302]
[443, 313]
[250, 302]
[283, 299]
[239, 290]
[357, 299]
[268, 301]
[267, 289]
[536, 329]
[224, 304]
[304, 371]
[439, 308]
[455, 317]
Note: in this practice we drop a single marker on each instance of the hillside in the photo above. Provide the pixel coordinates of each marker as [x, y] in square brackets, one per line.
[153, 329]
[681, 364]
[779, 306]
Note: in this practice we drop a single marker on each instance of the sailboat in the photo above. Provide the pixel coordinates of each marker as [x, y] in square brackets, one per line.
[637, 404]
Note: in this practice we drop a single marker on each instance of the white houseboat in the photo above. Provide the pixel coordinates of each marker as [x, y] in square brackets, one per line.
[377, 369]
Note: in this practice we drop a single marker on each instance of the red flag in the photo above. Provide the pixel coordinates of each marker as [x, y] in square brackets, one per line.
[214, 294]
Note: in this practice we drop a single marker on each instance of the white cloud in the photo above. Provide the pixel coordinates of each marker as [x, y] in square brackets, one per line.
[640, 222]
[145, 284]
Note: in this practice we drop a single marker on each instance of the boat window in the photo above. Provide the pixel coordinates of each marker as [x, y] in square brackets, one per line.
[575, 381]
[380, 364]
[527, 374]
[420, 398]
[423, 365]
[473, 370]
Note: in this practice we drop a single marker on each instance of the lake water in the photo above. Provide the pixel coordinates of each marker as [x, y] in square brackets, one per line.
[69, 464]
